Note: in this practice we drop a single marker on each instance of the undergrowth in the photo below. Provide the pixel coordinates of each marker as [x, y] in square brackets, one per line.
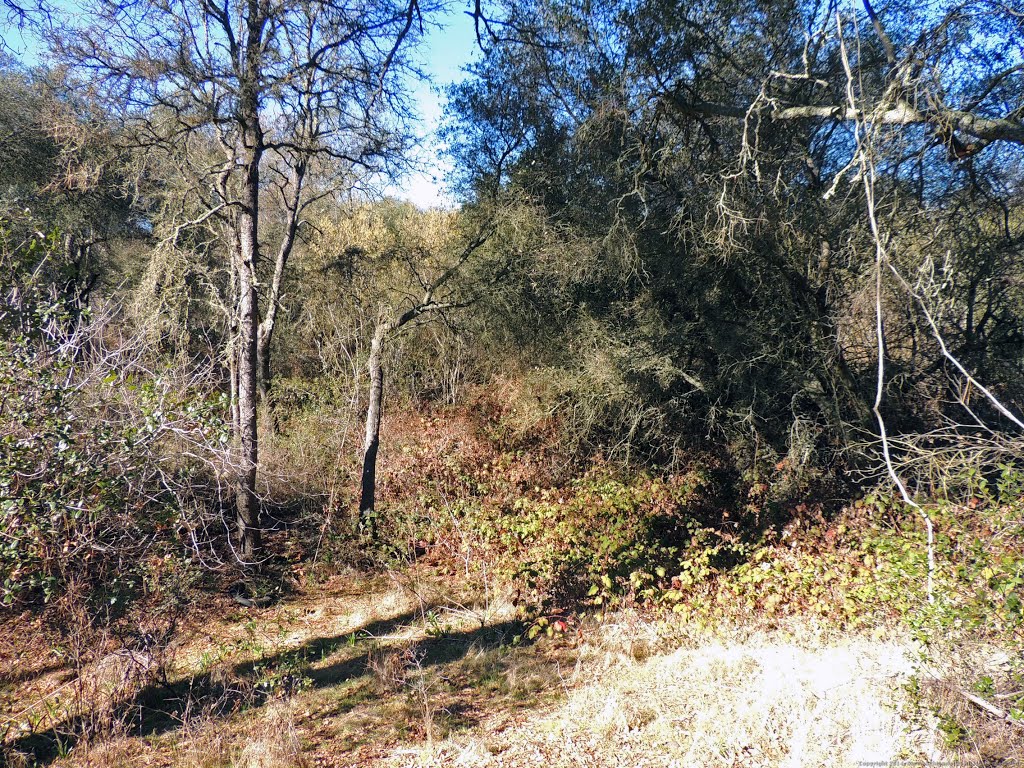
[700, 542]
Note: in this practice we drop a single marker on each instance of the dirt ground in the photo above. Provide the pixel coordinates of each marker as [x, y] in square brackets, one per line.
[407, 670]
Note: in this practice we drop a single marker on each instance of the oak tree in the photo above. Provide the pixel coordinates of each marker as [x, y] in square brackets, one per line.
[245, 100]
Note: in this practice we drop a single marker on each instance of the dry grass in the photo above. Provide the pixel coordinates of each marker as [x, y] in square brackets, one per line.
[769, 699]
[967, 693]
[275, 744]
[409, 671]
[266, 738]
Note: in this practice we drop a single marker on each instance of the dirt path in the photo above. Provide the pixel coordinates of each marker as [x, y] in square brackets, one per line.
[408, 671]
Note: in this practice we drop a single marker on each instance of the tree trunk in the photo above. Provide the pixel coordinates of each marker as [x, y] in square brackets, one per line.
[248, 323]
[372, 438]
[236, 428]
[375, 367]
[247, 238]
[264, 382]
[265, 333]
[263, 363]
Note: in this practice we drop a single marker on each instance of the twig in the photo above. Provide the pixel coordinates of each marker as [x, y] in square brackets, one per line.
[1011, 695]
[867, 175]
[989, 707]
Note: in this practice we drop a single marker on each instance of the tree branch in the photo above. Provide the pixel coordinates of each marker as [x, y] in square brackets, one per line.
[985, 128]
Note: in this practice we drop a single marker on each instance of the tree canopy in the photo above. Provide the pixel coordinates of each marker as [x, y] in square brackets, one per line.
[782, 236]
[707, 161]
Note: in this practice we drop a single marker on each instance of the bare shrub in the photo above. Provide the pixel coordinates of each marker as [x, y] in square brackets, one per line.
[114, 681]
[390, 666]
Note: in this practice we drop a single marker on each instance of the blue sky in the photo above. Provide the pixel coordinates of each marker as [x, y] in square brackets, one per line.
[443, 55]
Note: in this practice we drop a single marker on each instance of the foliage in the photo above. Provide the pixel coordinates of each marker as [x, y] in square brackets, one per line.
[371, 262]
[712, 279]
[91, 497]
[58, 157]
[600, 536]
[669, 336]
[870, 565]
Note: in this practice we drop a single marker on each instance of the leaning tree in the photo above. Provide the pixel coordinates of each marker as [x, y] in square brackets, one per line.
[248, 102]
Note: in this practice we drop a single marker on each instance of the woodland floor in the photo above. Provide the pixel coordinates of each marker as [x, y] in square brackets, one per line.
[416, 668]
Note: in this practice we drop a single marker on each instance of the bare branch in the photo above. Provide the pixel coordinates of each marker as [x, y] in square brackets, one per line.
[1005, 129]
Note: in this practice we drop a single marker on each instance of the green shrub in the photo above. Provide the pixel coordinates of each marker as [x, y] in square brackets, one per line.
[871, 564]
[93, 483]
[601, 538]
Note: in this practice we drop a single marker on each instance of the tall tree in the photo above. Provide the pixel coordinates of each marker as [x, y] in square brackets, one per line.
[702, 153]
[243, 99]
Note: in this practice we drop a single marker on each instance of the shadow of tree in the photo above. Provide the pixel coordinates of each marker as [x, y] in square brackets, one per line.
[28, 675]
[163, 707]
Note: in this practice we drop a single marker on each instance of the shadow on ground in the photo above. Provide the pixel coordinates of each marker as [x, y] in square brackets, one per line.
[163, 707]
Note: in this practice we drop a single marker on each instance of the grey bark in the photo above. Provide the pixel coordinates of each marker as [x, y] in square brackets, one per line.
[265, 335]
[984, 128]
[375, 368]
[247, 503]
[371, 439]
[189, 77]
[247, 229]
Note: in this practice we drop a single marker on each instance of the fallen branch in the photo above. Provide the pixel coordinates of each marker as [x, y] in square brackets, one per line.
[989, 707]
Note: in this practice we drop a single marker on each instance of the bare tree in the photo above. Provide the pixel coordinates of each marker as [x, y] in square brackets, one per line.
[435, 299]
[914, 86]
[14, 15]
[244, 100]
